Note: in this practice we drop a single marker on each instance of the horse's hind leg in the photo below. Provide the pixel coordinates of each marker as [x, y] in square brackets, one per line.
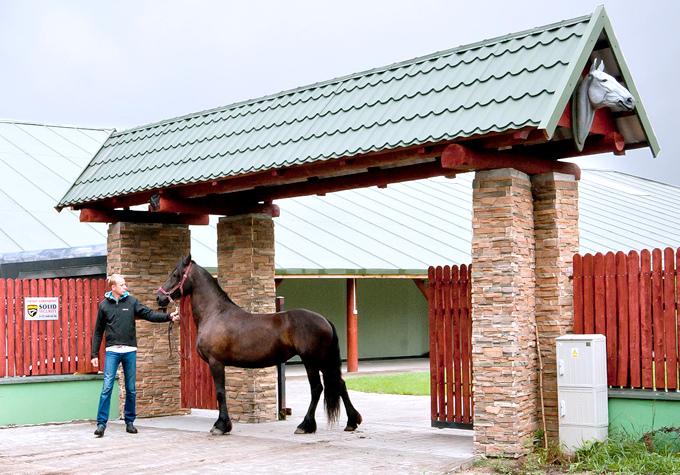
[223, 423]
[353, 416]
[308, 424]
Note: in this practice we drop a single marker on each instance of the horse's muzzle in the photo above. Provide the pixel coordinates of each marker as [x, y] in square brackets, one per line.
[162, 300]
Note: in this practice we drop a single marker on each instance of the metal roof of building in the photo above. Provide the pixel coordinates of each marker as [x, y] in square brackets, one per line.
[506, 83]
[39, 162]
[408, 226]
[399, 230]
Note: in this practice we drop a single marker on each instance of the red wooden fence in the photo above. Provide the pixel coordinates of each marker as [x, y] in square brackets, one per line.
[633, 300]
[450, 346]
[62, 346]
[196, 383]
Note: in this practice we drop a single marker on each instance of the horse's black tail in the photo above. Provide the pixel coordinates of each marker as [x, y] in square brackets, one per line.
[332, 380]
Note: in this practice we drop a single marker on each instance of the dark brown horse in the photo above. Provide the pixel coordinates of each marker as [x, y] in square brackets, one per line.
[228, 335]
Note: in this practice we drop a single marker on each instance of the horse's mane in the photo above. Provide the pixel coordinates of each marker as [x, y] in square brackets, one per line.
[212, 279]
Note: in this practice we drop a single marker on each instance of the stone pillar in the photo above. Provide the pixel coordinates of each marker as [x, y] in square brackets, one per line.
[145, 254]
[504, 356]
[245, 258]
[557, 240]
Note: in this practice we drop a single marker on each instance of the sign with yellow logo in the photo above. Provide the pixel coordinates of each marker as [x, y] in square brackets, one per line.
[41, 308]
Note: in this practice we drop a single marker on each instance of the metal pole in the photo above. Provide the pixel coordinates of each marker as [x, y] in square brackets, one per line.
[283, 411]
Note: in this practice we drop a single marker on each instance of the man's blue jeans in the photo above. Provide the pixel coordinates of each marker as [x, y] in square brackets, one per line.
[129, 361]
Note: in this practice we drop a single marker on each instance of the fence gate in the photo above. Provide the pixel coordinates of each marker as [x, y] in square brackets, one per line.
[450, 346]
[196, 383]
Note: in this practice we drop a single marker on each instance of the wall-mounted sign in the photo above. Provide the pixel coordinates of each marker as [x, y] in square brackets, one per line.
[41, 308]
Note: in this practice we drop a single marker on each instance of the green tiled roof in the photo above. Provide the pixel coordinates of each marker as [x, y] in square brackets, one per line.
[515, 81]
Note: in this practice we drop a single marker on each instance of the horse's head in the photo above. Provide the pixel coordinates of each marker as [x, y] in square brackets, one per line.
[595, 91]
[605, 91]
[177, 284]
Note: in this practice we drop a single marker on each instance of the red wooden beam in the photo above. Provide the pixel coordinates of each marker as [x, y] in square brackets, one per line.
[90, 215]
[613, 142]
[459, 157]
[186, 206]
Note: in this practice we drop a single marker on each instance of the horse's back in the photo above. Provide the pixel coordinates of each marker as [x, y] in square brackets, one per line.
[308, 331]
[259, 340]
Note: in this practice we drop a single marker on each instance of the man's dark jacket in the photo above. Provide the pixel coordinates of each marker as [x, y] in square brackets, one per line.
[117, 319]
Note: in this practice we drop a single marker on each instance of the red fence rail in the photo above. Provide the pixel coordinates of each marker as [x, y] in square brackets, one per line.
[450, 313]
[632, 299]
[29, 348]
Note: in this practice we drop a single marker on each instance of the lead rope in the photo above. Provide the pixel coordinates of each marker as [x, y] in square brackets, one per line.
[170, 325]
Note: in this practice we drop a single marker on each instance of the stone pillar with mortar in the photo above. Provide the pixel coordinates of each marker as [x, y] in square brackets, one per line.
[504, 357]
[245, 257]
[557, 240]
[145, 254]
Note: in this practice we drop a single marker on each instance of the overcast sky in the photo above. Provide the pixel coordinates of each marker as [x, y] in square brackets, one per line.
[120, 64]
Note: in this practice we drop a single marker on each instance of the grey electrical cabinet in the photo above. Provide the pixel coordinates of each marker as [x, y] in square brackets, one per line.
[582, 389]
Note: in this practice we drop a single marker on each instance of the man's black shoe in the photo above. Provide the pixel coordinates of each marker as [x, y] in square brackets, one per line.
[129, 428]
[99, 431]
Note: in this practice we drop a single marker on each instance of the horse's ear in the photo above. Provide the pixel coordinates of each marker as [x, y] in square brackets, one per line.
[598, 64]
[187, 259]
[595, 65]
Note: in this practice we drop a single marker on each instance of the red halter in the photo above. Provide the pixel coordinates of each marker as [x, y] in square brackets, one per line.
[179, 286]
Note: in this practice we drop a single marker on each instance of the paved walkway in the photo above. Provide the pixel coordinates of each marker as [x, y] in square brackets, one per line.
[395, 437]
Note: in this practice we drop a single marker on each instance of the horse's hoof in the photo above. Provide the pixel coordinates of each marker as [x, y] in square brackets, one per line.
[305, 430]
[350, 428]
[216, 431]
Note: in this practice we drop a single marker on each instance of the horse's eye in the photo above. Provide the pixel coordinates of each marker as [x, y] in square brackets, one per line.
[605, 80]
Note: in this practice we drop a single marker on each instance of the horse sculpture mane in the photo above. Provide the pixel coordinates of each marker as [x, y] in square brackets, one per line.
[595, 91]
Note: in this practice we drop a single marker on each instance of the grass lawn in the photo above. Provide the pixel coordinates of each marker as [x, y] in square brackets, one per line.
[412, 383]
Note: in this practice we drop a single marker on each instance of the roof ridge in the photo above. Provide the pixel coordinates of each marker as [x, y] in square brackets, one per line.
[396, 65]
[61, 126]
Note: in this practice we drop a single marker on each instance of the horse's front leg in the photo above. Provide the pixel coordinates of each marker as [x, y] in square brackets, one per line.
[223, 423]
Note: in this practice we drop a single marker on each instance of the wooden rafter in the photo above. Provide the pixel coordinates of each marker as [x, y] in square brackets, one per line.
[371, 177]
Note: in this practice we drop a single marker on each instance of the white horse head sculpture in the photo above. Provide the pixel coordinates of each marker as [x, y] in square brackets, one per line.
[598, 89]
